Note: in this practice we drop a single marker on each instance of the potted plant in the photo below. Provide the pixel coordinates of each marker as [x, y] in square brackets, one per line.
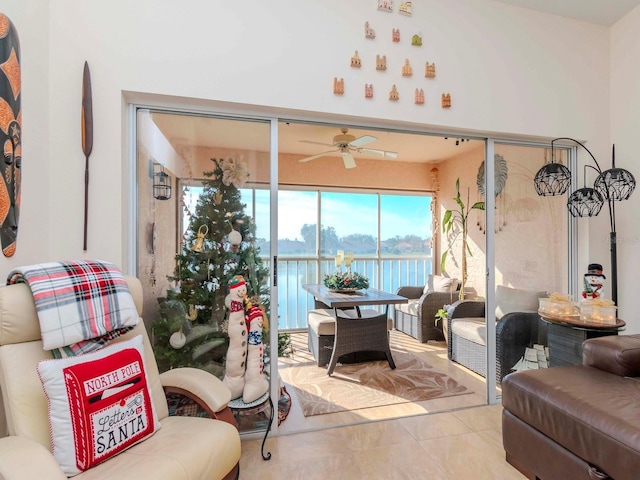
[454, 224]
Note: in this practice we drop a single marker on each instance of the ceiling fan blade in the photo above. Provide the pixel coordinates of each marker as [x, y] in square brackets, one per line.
[382, 153]
[349, 161]
[362, 141]
[313, 157]
[316, 143]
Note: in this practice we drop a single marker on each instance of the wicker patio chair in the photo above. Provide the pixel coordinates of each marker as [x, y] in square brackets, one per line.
[466, 337]
[418, 317]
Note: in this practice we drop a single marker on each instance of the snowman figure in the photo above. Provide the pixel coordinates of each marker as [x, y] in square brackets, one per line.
[237, 353]
[594, 282]
[256, 383]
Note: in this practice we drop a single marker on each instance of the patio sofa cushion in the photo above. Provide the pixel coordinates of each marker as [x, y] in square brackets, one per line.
[509, 300]
[438, 283]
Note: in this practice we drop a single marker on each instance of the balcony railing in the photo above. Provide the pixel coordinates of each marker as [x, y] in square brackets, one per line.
[385, 273]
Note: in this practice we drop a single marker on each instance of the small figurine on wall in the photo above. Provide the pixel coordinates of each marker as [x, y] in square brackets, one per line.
[416, 40]
[407, 71]
[394, 96]
[338, 86]
[381, 62]
[395, 35]
[385, 5]
[368, 90]
[430, 70]
[594, 282]
[368, 31]
[446, 100]
[355, 60]
[406, 8]
[419, 97]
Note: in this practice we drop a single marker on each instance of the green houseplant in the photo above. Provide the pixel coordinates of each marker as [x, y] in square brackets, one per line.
[455, 224]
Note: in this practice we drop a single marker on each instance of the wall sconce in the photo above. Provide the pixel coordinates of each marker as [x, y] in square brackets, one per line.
[161, 183]
[610, 186]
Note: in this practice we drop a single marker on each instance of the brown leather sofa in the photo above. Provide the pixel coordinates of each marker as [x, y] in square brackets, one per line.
[577, 422]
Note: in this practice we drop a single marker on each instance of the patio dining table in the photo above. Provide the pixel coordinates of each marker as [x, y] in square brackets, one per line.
[359, 329]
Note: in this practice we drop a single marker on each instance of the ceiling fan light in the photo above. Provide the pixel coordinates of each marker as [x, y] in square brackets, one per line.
[585, 202]
[615, 183]
[552, 179]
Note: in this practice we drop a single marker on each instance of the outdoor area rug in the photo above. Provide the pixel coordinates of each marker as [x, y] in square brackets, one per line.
[368, 384]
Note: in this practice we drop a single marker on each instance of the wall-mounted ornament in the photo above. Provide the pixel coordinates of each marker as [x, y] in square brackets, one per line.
[406, 8]
[381, 62]
[10, 135]
[446, 100]
[355, 60]
[385, 5]
[430, 70]
[368, 31]
[338, 85]
[394, 96]
[407, 71]
[368, 90]
[161, 183]
[416, 40]
[87, 139]
[419, 96]
[395, 35]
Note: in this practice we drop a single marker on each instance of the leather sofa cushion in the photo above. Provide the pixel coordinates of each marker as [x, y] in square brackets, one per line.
[591, 413]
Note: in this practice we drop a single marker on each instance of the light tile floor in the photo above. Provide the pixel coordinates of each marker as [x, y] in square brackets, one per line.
[438, 440]
[463, 444]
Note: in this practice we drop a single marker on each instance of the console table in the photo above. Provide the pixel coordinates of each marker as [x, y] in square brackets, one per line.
[566, 334]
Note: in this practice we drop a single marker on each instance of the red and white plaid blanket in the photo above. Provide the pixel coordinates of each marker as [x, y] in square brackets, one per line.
[81, 305]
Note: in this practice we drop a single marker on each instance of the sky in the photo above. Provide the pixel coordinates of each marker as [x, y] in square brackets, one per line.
[346, 213]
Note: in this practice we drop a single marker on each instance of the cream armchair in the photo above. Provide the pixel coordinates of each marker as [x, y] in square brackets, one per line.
[183, 447]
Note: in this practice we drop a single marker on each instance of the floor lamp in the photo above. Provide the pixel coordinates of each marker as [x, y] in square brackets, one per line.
[610, 186]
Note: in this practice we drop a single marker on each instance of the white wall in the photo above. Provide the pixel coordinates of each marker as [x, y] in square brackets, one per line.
[625, 125]
[510, 71]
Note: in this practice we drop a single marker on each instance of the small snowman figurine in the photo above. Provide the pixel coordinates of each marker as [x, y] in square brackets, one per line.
[593, 282]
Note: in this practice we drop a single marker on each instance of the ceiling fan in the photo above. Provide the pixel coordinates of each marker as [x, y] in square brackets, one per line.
[345, 144]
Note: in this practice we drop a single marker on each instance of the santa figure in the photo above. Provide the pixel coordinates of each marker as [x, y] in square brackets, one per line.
[594, 282]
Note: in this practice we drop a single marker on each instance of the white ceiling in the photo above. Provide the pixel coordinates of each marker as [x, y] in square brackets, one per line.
[599, 12]
[183, 130]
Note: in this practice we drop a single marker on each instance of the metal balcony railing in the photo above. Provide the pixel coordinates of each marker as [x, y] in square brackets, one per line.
[384, 273]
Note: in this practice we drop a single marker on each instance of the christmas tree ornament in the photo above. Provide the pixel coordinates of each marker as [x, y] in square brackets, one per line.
[217, 198]
[237, 352]
[193, 313]
[256, 383]
[198, 246]
[178, 340]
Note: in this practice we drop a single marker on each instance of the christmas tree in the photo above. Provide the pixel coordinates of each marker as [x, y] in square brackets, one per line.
[219, 244]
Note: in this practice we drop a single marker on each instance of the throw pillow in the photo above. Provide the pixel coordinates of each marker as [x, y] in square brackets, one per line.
[509, 300]
[438, 283]
[99, 404]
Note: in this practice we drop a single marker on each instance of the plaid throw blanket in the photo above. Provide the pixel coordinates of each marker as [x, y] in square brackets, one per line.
[81, 305]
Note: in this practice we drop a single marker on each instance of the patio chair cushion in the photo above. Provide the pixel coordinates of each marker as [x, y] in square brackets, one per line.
[509, 300]
[438, 283]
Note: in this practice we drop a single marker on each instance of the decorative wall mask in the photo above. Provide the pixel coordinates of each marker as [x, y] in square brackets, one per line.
[10, 135]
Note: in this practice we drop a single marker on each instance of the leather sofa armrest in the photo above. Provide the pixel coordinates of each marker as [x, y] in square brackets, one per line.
[204, 388]
[617, 354]
[24, 459]
[410, 291]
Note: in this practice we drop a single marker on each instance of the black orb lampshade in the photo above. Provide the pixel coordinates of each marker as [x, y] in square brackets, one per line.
[552, 179]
